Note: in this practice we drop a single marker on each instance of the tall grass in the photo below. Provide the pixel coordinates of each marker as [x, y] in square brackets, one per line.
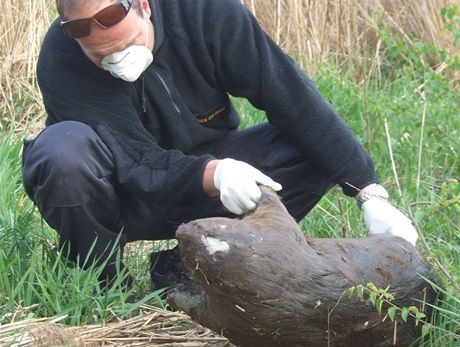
[314, 31]
[22, 27]
[35, 280]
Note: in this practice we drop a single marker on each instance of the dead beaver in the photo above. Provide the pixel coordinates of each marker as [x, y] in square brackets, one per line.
[261, 282]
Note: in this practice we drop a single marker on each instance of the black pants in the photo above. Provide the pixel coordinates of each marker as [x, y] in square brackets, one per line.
[69, 173]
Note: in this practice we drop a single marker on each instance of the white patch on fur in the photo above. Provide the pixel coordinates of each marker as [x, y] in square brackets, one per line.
[214, 245]
[222, 226]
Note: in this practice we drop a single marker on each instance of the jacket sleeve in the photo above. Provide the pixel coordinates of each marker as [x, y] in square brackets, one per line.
[73, 88]
[249, 64]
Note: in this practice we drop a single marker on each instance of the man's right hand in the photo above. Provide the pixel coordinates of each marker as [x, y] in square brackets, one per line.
[238, 183]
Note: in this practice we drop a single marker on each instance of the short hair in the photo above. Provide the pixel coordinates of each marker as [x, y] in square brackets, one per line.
[64, 7]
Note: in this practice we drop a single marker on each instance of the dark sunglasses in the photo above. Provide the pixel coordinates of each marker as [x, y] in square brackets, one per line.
[105, 18]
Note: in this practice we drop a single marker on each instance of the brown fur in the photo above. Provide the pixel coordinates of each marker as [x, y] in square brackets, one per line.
[275, 287]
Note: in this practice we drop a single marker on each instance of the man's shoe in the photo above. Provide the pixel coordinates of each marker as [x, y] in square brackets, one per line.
[167, 269]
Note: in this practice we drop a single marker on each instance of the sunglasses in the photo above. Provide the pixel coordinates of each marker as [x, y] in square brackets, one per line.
[105, 18]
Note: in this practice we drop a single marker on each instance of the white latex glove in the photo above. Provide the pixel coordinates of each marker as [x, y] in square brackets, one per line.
[238, 185]
[382, 217]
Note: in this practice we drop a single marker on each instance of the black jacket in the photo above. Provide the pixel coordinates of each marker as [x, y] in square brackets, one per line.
[204, 50]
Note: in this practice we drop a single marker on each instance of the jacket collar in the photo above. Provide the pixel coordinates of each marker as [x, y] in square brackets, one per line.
[157, 20]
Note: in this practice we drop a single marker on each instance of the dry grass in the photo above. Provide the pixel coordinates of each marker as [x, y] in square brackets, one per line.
[346, 28]
[312, 29]
[153, 327]
[22, 28]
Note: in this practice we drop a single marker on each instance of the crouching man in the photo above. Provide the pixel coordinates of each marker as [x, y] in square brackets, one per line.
[141, 135]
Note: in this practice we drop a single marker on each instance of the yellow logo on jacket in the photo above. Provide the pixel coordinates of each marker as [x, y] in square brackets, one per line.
[207, 118]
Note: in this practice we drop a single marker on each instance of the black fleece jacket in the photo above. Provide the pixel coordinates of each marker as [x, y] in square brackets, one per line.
[204, 50]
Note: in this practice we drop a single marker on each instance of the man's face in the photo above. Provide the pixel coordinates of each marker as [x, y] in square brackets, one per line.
[102, 42]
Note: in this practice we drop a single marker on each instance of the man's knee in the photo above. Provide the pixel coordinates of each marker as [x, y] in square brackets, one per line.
[65, 157]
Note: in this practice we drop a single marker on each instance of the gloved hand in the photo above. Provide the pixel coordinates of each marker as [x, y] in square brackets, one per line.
[238, 185]
[382, 217]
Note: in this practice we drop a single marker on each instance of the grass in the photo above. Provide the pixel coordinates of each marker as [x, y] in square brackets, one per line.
[320, 31]
[399, 93]
[311, 31]
[35, 281]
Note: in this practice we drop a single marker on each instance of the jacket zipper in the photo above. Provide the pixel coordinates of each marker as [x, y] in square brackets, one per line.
[144, 99]
[168, 91]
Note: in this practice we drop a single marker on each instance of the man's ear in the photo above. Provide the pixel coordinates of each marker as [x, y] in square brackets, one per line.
[144, 4]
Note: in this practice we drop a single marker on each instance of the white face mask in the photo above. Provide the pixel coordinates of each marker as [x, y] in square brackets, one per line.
[129, 63]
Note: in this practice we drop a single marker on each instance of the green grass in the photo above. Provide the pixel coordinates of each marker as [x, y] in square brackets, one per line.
[35, 281]
[423, 130]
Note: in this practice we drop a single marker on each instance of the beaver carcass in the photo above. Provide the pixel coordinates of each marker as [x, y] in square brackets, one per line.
[260, 282]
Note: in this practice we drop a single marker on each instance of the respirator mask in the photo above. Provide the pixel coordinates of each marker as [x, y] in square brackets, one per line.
[129, 63]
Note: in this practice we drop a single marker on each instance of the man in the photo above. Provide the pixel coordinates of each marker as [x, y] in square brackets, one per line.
[141, 135]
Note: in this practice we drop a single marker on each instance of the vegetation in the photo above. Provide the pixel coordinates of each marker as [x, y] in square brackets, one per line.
[390, 70]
